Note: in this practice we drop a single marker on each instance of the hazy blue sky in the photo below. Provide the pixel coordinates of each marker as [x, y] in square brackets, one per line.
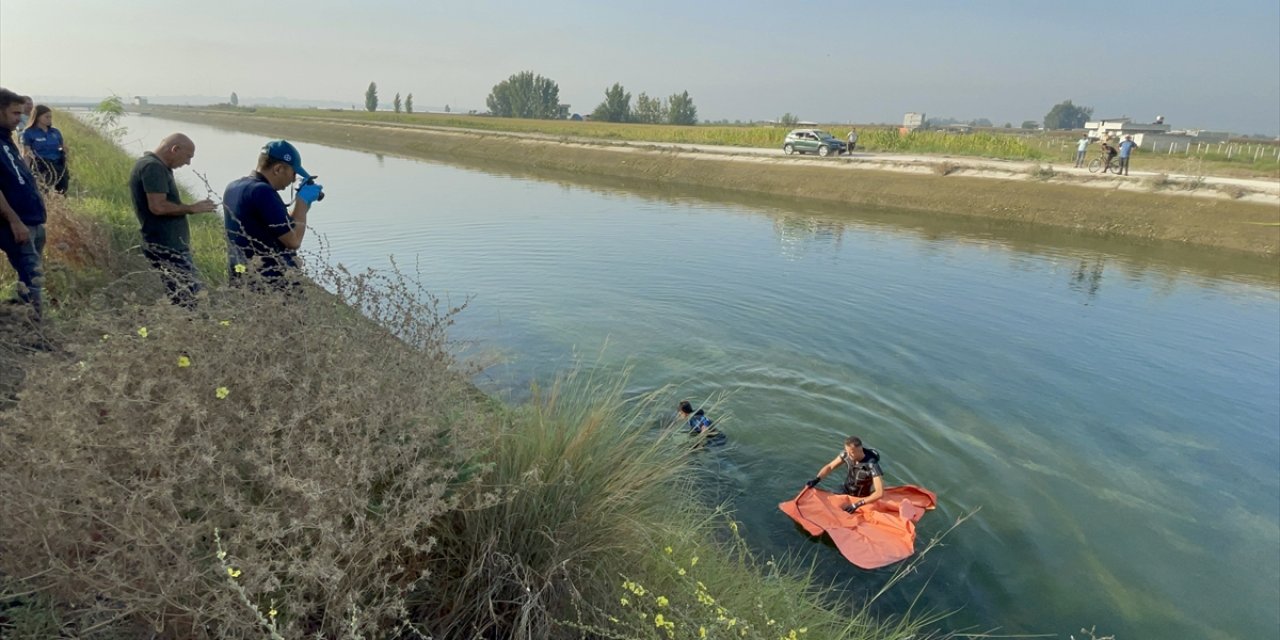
[1201, 64]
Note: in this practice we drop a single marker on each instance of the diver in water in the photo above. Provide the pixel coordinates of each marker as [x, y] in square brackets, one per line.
[864, 482]
[700, 426]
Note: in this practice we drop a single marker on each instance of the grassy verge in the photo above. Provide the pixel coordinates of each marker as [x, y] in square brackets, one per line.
[279, 466]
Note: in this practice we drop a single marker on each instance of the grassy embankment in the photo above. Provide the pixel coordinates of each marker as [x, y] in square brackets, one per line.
[282, 467]
[1139, 215]
[1250, 160]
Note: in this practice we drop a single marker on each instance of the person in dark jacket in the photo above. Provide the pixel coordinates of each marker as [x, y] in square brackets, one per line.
[46, 151]
[22, 208]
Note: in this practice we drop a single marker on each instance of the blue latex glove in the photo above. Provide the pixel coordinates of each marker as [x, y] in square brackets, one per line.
[309, 193]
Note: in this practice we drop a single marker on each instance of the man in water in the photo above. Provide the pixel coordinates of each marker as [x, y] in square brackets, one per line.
[699, 424]
[864, 482]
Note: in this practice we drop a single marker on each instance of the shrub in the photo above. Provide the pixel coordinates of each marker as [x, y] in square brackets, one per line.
[320, 445]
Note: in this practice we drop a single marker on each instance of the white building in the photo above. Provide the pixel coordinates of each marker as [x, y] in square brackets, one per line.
[1154, 136]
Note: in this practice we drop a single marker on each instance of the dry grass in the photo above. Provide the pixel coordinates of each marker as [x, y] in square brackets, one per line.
[322, 447]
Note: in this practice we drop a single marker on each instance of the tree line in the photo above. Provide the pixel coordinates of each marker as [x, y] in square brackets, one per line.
[529, 95]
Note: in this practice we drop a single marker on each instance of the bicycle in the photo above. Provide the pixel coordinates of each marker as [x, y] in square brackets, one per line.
[1099, 162]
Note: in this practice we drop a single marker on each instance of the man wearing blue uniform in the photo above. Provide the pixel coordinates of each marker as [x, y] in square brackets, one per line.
[1126, 148]
[262, 235]
[22, 231]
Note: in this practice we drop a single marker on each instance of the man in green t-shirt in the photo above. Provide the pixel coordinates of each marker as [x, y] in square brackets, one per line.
[166, 237]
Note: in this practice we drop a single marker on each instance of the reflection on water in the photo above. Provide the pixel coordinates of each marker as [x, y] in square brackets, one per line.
[798, 235]
[1087, 277]
[1113, 408]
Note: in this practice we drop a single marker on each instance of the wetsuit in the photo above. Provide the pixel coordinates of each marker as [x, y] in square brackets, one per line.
[860, 480]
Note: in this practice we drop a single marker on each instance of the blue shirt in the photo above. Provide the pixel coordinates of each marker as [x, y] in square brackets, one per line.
[1126, 148]
[47, 145]
[17, 184]
[1083, 144]
[255, 218]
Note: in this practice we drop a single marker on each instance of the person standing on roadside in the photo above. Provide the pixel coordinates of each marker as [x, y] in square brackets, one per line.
[853, 140]
[262, 235]
[46, 151]
[22, 231]
[1126, 149]
[166, 235]
[1082, 146]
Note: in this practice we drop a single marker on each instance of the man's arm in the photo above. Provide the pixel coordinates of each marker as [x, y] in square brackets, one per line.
[293, 238]
[160, 206]
[877, 491]
[20, 234]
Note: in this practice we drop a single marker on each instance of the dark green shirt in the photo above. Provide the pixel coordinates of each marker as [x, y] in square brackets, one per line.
[151, 175]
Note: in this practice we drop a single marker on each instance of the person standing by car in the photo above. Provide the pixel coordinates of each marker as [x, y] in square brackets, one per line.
[1082, 146]
[46, 151]
[853, 140]
[1126, 148]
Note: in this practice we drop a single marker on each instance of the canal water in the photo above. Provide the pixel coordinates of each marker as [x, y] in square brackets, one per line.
[1108, 412]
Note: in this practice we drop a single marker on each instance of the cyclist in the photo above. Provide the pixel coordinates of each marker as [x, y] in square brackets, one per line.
[1109, 155]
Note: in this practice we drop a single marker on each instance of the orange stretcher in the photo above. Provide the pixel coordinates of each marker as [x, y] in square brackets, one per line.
[877, 534]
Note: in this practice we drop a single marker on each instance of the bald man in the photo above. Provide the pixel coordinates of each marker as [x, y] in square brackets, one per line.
[166, 237]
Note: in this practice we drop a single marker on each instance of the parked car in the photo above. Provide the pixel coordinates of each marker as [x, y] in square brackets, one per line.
[813, 141]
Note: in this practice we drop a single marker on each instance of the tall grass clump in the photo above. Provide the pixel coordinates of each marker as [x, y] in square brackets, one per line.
[270, 464]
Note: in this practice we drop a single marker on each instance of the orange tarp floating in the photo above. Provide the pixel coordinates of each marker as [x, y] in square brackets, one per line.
[877, 534]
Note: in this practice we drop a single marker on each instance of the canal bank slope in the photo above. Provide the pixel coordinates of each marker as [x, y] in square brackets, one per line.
[1250, 224]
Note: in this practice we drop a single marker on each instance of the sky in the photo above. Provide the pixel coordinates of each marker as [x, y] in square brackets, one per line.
[1203, 65]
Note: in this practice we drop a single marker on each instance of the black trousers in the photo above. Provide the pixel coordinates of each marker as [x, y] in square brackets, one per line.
[53, 173]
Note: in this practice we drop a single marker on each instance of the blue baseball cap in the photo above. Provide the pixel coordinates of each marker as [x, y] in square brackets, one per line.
[285, 152]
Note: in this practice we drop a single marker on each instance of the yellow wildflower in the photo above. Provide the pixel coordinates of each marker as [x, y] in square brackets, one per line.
[106, 337]
[142, 332]
[184, 361]
[240, 268]
[625, 602]
[662, 601]
[668, 550]
[233, 572]
[222, 393]
[772, 622]
[681, 571]
[659, 621]
[702, 632]
[734, 526]
[272, 613]
[225, 323]
[693, 562]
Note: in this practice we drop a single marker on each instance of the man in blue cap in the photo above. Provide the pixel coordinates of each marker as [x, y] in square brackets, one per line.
[262, 235]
